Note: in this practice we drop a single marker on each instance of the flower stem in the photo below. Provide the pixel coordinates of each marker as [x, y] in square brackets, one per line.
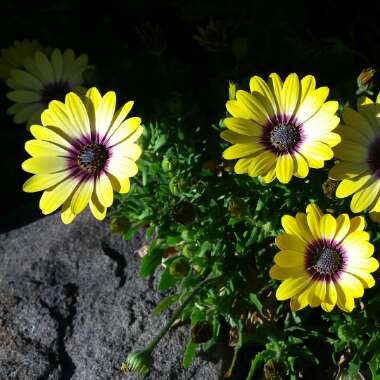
[178, 311]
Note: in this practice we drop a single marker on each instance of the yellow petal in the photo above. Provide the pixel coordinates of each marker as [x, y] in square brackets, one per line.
[43, 165]
[342, 227]
[348, 187]
[242, 165]
[307, 86]
[357, 223]
[121, 185]
[105, 113]
[290, 242]
[241, 150]
[129, 129]
[356, 120]
[78, 113]
[327, 227]
[281, 273]
[67, 215]
[291, 287]
[312, 104]
[243, 126]
[256, 113]
[122, 167]
[284, 168]
[302, 168]
[352, 286]
[39, 148]
[290, 94]
[275, 84]
[347, 170]
[352, 152]
[97, 209]
[289, 259]
[344, 301]
[261, 164]
[82, 196]
[48, 134]
[104, 190]
[316, 150]
[53, 198]
[291, 227]
[119, 117]
[313, 223]
[40, 182]
[258, 86]
[364, 277]
[236, 138]
[366, 196]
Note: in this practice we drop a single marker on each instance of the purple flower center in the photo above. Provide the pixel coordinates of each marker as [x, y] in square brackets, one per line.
[282, 135]
[373, 158]
[54, 91]
[324, 260]
[92, 157]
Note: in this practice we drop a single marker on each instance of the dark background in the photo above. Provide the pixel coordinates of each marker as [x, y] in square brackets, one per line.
[331, 41]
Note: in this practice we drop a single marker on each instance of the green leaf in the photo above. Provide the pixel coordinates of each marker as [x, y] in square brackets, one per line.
[166, 280]
[164, 304]
[374, 366]
[150, 262]
[254, 299]
[353, 370]
[189, 353]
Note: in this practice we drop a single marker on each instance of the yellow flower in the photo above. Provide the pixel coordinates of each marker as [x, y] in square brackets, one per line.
[81, 153]
[359, 155]
[280, 129]
[323, 261]
[42, 81]
[13, 57]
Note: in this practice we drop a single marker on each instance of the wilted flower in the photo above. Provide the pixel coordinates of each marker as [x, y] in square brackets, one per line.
[213, 36]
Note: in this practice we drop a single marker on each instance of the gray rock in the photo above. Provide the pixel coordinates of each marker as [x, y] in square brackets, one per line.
[72, 306]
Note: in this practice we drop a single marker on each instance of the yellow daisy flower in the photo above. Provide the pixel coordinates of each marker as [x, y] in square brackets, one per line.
[13, 57]
[280, 129]
[323, 261]
[81, 153]
[359, 156]
[42, 81]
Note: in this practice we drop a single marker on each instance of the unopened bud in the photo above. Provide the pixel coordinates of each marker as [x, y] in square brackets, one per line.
[329, 187]
[365, 81]
[179, 268]
[138, 362]
[201, 332]
[236, 207]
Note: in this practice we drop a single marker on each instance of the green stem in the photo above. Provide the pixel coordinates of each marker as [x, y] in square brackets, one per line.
[178, 311]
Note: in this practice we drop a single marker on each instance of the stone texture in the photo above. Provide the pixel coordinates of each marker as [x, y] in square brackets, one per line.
[72, 306]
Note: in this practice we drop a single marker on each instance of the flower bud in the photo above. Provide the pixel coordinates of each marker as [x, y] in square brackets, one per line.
[166, 164]
[138, 362]
[329, 187]
[232, 90]
[365, 81]
[119, 225]
[177, 185]
[179, 268]
[201, 332]
[184, 213]
[236, 207]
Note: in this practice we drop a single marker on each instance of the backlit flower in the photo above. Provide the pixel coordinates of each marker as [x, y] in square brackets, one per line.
[323, 261]
[280, 129]
[359, 156]
[43, 80]
[82, 153]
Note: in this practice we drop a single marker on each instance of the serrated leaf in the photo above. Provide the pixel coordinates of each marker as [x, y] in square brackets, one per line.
[164, 304]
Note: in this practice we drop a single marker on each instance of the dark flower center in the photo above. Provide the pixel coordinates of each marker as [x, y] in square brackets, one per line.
[92, 158]
[284, 137]
[54, 91]
[373, 159]
[324, 259]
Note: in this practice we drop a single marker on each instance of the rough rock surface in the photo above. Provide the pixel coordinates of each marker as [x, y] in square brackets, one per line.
[72, 306]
